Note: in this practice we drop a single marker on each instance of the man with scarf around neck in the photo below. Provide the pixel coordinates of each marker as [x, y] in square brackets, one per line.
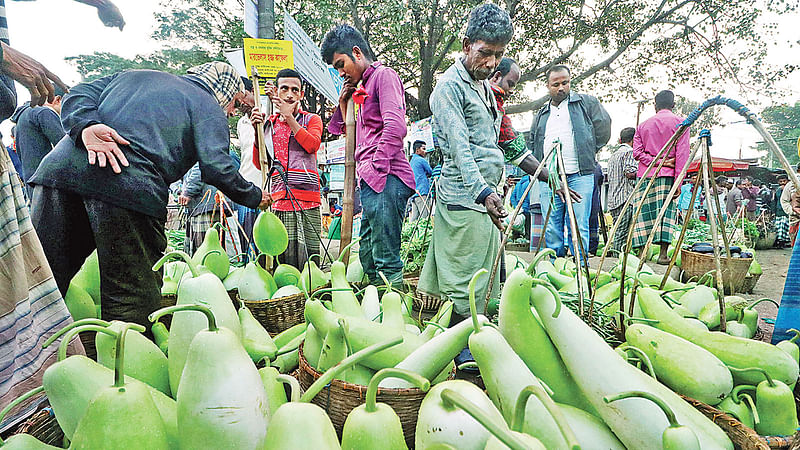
[150, 127]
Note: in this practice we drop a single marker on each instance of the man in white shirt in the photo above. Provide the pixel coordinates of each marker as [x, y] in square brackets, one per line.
[583, 127]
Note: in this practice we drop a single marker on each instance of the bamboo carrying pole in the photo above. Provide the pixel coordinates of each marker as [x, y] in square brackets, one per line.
[507, 232]
[262, 147]
[349, 178]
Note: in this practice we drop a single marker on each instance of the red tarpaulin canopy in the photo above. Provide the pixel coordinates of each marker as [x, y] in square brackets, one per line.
[721, 165]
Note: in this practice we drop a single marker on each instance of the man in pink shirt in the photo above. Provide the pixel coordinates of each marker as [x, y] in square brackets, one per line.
[384, 174]
[650, 138]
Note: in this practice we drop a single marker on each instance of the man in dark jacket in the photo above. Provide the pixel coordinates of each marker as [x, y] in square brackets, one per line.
[150, 127]
[582, 126]
[38, 131]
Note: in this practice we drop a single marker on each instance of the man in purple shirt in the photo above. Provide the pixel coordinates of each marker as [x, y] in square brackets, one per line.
[650, 138]
[384, 174]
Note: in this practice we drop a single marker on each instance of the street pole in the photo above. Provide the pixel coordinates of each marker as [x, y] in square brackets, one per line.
[266, 19]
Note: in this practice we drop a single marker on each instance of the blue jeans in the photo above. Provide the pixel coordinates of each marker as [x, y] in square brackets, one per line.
[381, 223]
[554, 236]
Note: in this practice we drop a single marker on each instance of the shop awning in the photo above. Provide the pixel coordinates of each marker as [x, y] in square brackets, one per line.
[721, 165]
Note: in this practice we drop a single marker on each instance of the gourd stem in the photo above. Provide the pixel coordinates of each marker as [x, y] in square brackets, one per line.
[740, 388]
[323, 291]
[119, 357]
[385, 281]
[345, 250]
[552, 408]
[468, 365]
[673, 421]
[433, 324]
[751, 305]
[293, 384]
[473, 308]
[372, 389]
[16, 402]
[186, 258]
[752, 406]
[770, 381]
[642, 356]
[212, 321]
[77, 323]
[628, 318]
[553, 292]
[796, 332]
[498, 430]
[539, 256]
[62, 348]
[356, 357]
[203, 261]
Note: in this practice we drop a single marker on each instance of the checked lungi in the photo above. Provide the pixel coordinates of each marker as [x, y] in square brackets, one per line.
[782, 230]
[303, 228]
[646, 222]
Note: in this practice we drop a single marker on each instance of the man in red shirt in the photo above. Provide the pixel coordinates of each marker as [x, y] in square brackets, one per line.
[292, 138]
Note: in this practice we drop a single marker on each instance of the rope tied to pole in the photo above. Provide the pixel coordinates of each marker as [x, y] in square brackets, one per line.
[715, 101]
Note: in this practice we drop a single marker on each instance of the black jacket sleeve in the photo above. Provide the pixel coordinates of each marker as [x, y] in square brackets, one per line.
[212, 142]
[50, 124]
[79, 109]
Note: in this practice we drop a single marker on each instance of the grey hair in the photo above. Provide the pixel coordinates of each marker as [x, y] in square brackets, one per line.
[490, 24]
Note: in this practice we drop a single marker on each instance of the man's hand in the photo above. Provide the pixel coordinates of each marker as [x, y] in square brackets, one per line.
[576, 197]
[101, 144]
[285, 109]
[31, 74]
[257, 117]
[110, 16]
[494, 206]
[183, 200]
[266, 200]
[670, 162]
[344, 96]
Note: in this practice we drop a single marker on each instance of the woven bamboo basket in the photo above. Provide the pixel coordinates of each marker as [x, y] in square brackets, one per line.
[749, 283]
[43, 426]
[743, 438]
[422, 301]
[278, 314]
[339, 398]
[734, 270]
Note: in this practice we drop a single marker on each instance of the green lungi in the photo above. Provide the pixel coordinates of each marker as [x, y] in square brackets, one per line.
[646, 222]
[463, 242]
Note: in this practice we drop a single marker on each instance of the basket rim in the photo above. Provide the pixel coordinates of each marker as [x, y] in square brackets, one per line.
[734, 421]
[306, 367]
[706, 255]
[286, 298]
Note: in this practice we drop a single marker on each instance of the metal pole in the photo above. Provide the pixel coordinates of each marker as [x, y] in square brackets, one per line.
[266, 19]
[349, 177]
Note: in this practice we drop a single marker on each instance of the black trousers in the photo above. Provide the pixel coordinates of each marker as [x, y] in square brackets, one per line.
[128, 244]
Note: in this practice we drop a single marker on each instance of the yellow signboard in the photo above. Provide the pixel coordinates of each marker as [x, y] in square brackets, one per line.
[798, 146]
[268, 56]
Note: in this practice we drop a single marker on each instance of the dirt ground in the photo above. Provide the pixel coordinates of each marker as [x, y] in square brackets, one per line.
[774, 264]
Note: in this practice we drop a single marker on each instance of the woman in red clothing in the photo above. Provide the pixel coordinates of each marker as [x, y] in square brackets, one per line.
[292, 137]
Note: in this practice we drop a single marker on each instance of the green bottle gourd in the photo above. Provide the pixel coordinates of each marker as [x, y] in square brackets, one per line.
[88, 276]
[504, 373]
[79, 303]
[371, 303]
[287, 335]
[334, 348]
[288, 357]
[697, 297]
[202, 289]
[392, 308]
[255, 339]
[286, 275]
[749, 316]
[23, 441]
[173, 273]
[709, 314]
[599, 371]
[276, 394]
[269, 234]
[121, 416]
[533, 345]
[212, 255]
[743, 412]
[255, 283]
[312, 347]
[790, 345]
[231, 281]
[221, 400]
[675, 436]
[300, 414]
[441, 422]
[376, 425]
[71, 383]
[343, 298]
[776, 406]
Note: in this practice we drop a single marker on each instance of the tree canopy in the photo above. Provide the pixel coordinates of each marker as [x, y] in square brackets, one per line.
[783, 123]
[616, 48]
